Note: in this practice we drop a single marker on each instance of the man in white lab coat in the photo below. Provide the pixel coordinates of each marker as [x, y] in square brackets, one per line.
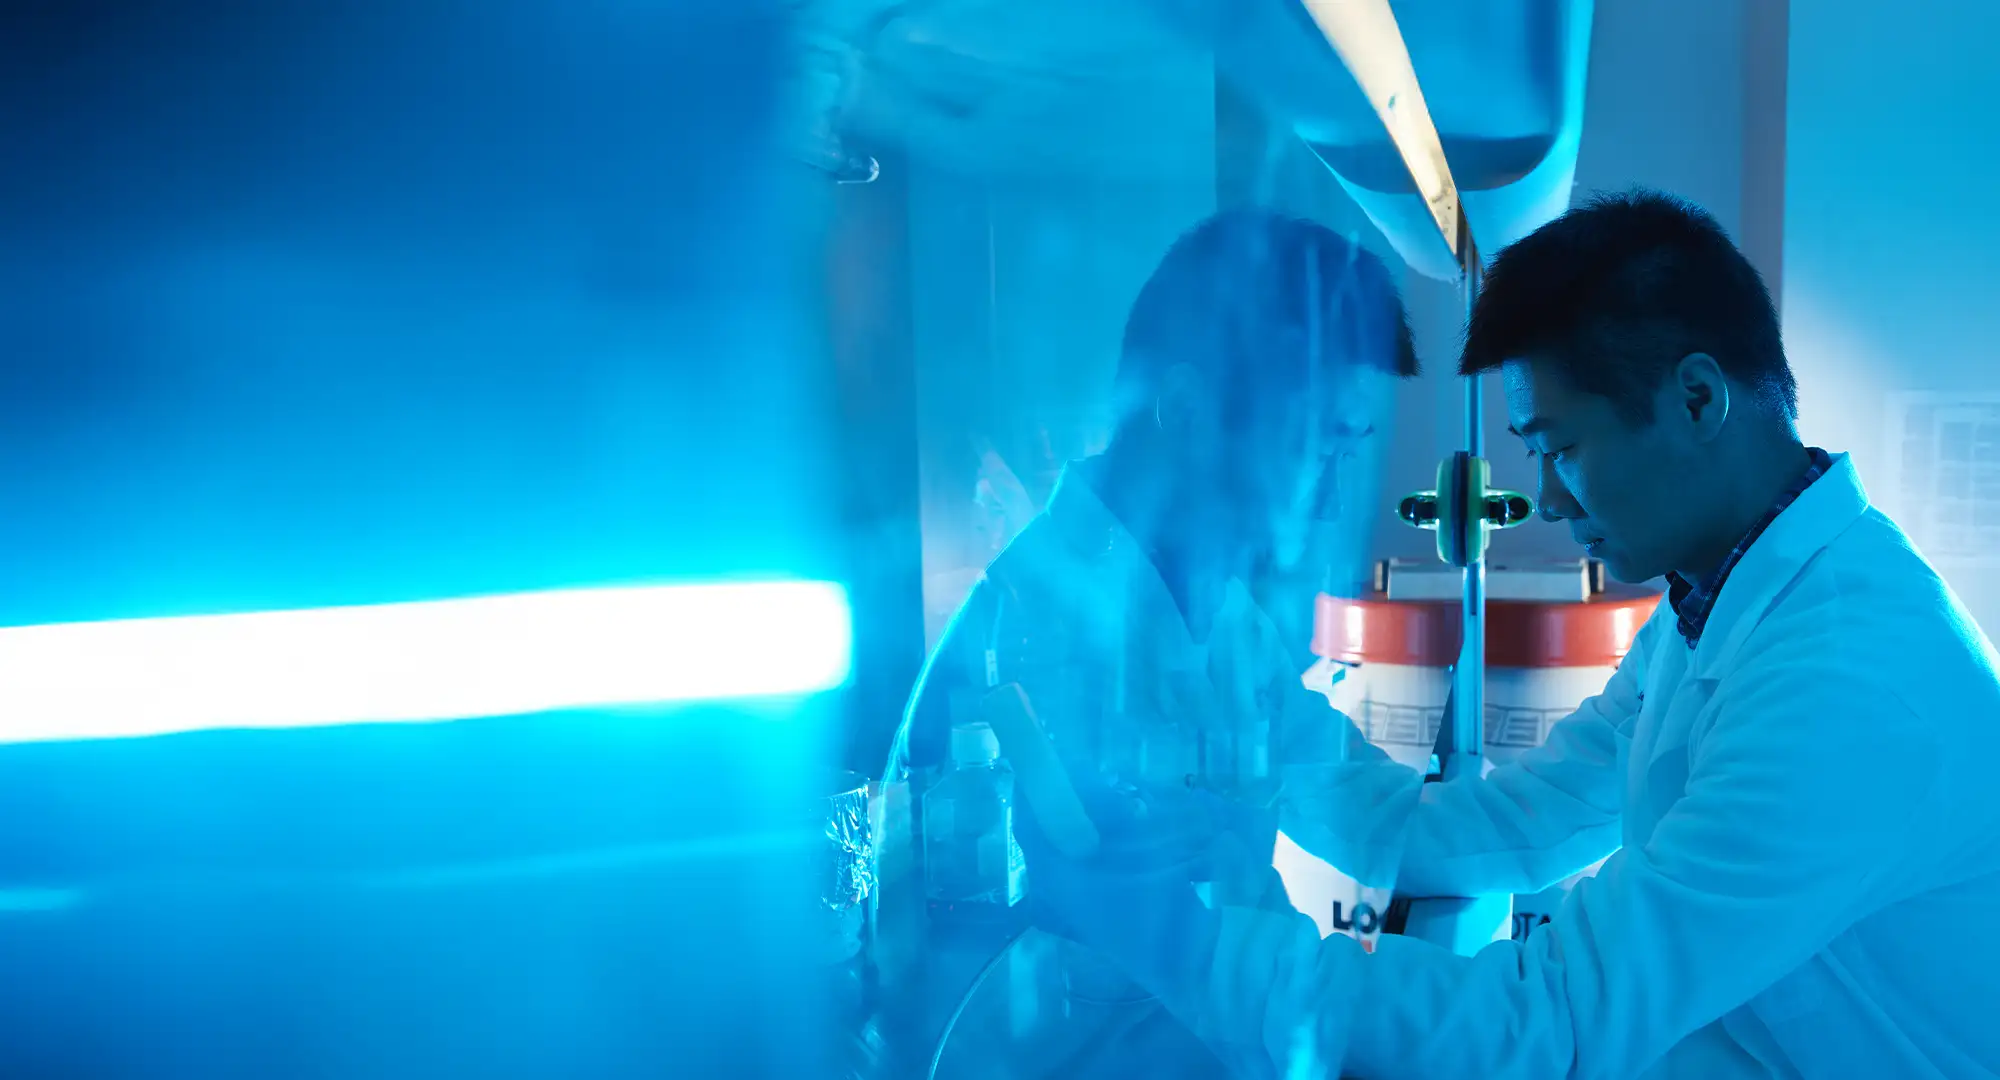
[1256, 357]
[1791, 772]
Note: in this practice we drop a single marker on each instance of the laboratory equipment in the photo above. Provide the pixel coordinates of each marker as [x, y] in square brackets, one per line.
[1462, 508]
[847, 867]
[845, 905]
[1386, 661]
[1497, 84]
[972, 862]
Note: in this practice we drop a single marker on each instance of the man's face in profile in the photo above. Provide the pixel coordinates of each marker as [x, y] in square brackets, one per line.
[1288, 469]
[1620, 487]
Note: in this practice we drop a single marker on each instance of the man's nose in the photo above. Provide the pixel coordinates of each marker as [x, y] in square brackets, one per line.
[1552, 499]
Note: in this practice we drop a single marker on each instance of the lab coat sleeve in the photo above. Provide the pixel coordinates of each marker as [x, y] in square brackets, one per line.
[1525, 826]
[1799, 817]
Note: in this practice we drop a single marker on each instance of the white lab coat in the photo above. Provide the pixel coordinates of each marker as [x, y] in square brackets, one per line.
[1807, 870]
[1075, 612]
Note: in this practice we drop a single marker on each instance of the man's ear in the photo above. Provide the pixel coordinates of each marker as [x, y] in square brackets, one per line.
[1699, 394]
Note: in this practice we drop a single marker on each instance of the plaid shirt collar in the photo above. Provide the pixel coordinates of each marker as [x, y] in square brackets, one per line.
[1692, 602]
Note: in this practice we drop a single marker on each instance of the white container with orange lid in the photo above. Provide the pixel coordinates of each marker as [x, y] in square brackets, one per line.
[1554, 635]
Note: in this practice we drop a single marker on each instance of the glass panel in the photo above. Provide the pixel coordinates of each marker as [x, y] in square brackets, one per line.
[1153, 349]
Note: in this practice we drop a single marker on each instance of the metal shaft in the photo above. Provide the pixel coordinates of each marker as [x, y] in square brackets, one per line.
[1468, 741]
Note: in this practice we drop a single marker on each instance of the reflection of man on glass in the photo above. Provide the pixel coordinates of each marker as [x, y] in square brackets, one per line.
[1255, 358]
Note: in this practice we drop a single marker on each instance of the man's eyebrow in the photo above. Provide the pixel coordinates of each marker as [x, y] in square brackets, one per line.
[1533, 426]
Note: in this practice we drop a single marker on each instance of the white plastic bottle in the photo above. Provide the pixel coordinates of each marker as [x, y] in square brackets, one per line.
[972, 863]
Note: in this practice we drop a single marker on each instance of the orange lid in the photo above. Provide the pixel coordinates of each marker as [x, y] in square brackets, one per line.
[1519, 633]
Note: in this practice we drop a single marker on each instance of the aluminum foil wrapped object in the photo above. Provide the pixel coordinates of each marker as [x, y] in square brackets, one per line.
[850, 877]
[847, 870]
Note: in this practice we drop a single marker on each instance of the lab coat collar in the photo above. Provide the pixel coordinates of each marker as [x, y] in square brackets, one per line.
[1099, 540]
[1821, 513]
[1086, 525]
[1092, 532]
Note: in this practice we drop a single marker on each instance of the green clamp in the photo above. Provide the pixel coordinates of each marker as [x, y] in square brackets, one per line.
[1463, 510]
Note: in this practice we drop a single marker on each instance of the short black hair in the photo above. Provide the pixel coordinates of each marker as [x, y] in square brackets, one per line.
[1618, 290]
[1230, 286]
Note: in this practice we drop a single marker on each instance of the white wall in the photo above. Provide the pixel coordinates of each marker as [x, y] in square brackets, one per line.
[1890, 240]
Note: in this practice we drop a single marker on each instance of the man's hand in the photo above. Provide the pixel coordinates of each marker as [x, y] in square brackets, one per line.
[1133, 898]
[1114, 868]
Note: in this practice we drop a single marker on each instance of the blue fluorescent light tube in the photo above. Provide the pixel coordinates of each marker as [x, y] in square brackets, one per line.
[432, 660]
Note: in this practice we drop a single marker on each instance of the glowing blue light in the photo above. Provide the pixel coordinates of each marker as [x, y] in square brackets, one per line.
[436, 660]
